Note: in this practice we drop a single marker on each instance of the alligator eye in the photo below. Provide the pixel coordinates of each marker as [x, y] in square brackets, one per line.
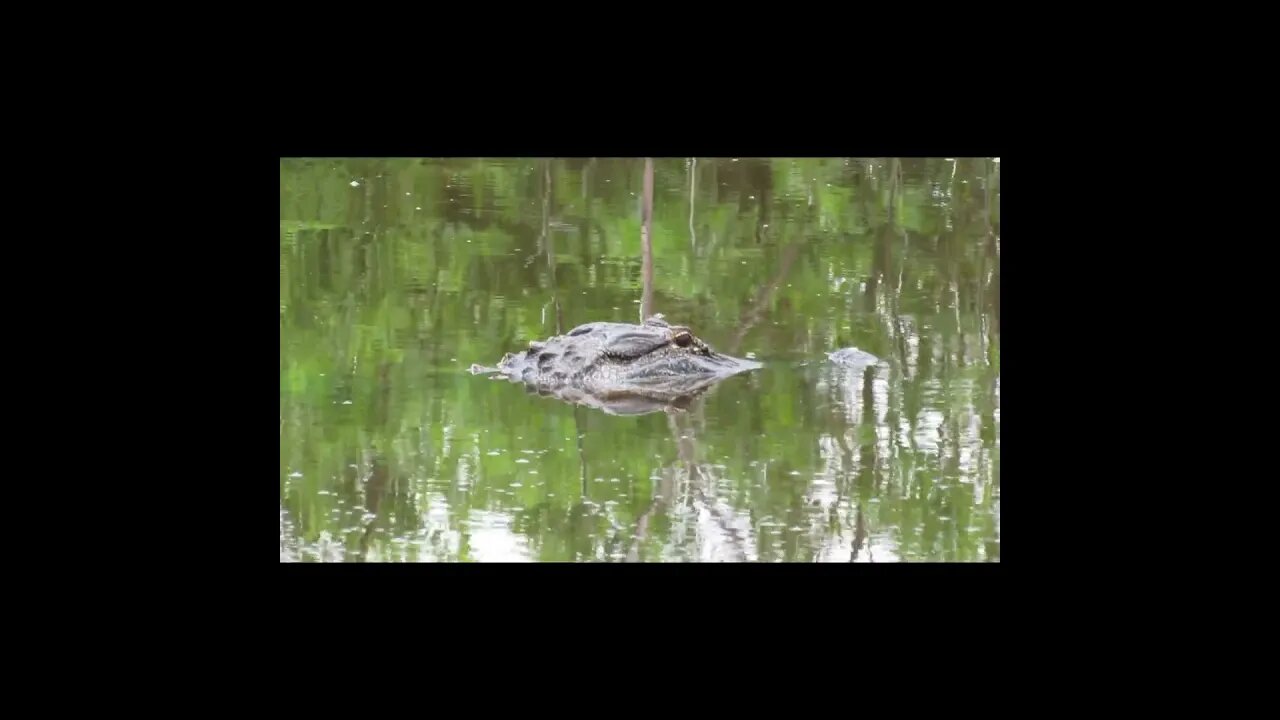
[684, 339]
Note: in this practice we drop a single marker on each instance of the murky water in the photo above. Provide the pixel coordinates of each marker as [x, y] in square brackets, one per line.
[397, 275]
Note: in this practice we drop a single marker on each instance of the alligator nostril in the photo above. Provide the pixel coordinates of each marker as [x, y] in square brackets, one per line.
[684, 339]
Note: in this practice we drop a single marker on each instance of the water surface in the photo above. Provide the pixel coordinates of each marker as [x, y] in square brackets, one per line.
[397, 275]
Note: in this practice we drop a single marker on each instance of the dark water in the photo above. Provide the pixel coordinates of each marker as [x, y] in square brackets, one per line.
[397, 275]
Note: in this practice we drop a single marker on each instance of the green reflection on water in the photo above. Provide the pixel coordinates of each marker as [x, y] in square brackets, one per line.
[396, 275]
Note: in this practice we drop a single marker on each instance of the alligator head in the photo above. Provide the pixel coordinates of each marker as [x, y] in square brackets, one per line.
[622, 368]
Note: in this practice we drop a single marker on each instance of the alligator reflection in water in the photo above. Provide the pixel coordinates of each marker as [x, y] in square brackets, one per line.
[620, 368]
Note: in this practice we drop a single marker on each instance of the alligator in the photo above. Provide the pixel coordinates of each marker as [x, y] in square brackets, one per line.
[626, 369]
[621, 368]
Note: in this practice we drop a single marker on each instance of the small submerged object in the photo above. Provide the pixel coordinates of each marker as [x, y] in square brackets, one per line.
[852, 357]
